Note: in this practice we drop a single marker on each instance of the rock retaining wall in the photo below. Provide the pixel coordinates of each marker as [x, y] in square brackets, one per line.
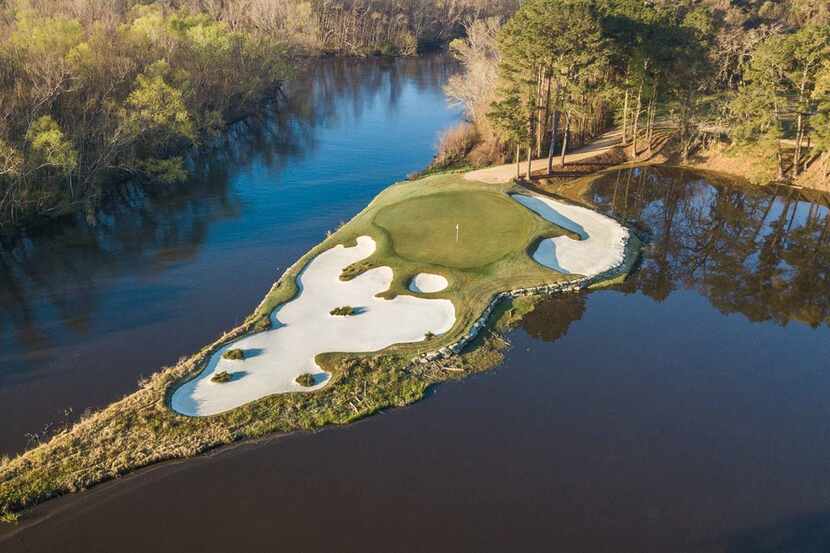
[583, 283]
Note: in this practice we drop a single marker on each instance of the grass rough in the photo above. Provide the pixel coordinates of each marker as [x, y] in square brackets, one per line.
[221, 377]
[306, 379]
[141, 429]
[234, 354]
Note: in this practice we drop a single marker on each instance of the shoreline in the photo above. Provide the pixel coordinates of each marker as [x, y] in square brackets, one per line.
[142, 430]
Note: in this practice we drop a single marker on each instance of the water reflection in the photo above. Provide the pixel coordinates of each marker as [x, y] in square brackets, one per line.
[761, 253]
[167, 226]
[551, 319]
[654, 423]
[89, 294]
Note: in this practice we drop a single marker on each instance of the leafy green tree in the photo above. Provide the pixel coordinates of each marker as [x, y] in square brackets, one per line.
[508, 117]
[50, 147]
[650, 43]
[821, 121]
[779, 86]
[42, 45]
[155, 106]
[548, 49]
[759, 105]
[157, 118]
[806, 50]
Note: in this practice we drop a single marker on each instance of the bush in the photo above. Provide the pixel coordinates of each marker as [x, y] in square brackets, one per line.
[306, 380]
[354, 269]
[344, 311]
[221, 377]
[429, 335]
[234, 354]
[455, 144]
[262, 324]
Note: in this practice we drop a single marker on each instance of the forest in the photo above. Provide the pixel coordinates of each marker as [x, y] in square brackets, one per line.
[94, 93]
[749, 78]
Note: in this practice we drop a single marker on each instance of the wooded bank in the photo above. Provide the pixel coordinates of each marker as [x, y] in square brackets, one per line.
[563, 71]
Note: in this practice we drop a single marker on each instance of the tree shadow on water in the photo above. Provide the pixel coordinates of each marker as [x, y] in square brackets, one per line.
[552, 317]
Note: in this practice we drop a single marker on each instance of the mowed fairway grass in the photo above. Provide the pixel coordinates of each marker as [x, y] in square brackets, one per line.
[414, 226]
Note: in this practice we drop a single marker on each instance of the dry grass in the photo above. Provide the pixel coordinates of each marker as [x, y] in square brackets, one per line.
[141, 429]
[752, 164]
[305, 379]
[221, 377]
[234, 354]
[454, 145]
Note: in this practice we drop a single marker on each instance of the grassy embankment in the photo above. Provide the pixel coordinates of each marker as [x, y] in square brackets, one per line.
[413, 224]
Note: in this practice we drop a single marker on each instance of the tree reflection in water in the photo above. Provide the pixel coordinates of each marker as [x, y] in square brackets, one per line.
[51, 278]
[763, 253]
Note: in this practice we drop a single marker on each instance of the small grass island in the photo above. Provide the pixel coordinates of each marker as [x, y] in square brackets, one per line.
[221, 377]
[306, 380]
[234, 355]
[430, 262]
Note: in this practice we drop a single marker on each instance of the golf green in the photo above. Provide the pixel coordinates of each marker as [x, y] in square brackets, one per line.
[458, 229]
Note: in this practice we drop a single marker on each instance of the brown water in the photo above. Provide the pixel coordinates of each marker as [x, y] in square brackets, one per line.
[684, 411]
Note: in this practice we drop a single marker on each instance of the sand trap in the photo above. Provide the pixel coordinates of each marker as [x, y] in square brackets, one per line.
[303, 328]
[427, 283]
[602, 244]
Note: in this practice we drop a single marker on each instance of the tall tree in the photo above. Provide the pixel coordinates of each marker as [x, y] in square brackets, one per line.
[548, 48]
[777, 98]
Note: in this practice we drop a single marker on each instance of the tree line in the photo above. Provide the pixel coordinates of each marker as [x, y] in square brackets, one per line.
[561, 71]
[96, 92]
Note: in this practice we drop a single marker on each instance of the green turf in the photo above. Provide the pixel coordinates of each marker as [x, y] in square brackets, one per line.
[408, 221]
[490, 226]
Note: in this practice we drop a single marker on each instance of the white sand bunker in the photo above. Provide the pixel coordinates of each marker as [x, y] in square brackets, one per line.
[303, 328]
[427, 283]
[602, 240]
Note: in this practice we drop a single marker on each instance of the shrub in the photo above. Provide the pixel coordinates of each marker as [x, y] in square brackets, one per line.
[263, 323]
[429, 335]
[306, 379]
[221, 377]
[234, 354]
[354, 269]
[344, 311]
[9, 517]
[455, 144]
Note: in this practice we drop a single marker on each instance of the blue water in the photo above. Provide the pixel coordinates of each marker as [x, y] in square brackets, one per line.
[86, 309]
[683, 411]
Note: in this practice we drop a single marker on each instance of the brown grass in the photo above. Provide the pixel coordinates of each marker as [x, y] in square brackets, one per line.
[141, 429]
[454, 145]
[305, 379]
[234, 354]
[221, 377]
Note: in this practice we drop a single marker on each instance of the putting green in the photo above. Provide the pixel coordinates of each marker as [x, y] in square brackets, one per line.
[423, 229]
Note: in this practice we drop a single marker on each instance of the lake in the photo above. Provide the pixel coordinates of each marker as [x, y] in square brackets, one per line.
[86, 310]
[684, 410]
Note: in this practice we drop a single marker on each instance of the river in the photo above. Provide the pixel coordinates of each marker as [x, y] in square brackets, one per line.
[685, 410]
